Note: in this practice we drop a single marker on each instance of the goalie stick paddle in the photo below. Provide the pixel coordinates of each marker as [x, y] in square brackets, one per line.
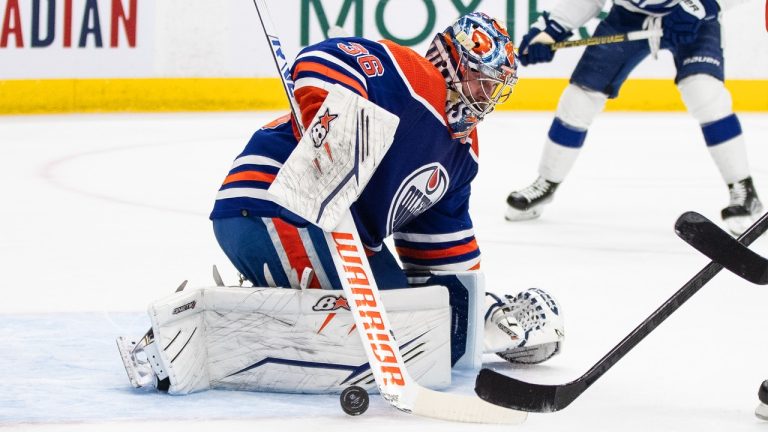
[510, 392]
[395, 384]
[709, 239]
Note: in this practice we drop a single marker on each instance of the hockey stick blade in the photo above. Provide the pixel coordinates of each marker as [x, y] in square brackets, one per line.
[516, 394]
[709, 239]
[509, 392]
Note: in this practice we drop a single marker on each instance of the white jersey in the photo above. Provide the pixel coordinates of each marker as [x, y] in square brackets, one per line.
[575, 13]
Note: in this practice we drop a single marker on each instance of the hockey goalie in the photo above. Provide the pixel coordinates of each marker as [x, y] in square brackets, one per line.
[390, 140]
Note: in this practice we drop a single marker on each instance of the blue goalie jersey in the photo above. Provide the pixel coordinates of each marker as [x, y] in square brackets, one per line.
[420, 192]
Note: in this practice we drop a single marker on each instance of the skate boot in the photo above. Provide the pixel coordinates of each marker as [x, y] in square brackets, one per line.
[528, 203]
[745, 207]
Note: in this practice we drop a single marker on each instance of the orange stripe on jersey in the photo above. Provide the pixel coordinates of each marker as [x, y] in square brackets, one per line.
[423, 77]
[438, 253]
[250, 175]
[277, 122]
[308, 66]
[475, 145]
[294, 249]
[475, 267]
[310, 99]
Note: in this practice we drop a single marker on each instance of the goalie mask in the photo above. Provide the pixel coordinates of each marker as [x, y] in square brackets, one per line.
[478, 61]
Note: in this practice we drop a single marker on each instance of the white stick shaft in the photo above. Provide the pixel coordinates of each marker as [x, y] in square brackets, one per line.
[643, 34]
[371, 319]
[280, 58]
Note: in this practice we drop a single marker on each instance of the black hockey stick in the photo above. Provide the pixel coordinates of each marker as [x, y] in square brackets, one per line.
[513, 393]
[719, 246]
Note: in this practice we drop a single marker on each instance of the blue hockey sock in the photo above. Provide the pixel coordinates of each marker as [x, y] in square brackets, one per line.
[722, 130]
[565, 135]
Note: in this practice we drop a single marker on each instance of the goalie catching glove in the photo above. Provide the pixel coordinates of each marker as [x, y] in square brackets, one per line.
[526, 328]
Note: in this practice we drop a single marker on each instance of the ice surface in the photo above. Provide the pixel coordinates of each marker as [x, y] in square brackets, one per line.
[103, 213]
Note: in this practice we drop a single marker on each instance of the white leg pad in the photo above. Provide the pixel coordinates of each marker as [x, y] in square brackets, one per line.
[298, 341]
[180, 341]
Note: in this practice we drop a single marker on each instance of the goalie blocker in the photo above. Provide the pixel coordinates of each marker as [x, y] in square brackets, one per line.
[303, 341]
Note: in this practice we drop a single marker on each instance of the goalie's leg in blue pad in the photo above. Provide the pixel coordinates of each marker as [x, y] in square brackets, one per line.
[247, 244]
[273, 252]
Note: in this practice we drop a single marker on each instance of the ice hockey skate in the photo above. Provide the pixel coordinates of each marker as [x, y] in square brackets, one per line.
[528, 203]
[745, 207]
[137, 360]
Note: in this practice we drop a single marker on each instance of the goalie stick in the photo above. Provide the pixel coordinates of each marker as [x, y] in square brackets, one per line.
[510, 392]
[719, 246]
[395, 385]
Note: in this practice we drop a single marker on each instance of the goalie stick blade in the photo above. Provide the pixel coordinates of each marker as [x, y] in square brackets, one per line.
[709, 239]
[461, 408]
[512, 393]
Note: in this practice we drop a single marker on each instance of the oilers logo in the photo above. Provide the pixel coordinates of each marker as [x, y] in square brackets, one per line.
[418, 192]
[321, 128]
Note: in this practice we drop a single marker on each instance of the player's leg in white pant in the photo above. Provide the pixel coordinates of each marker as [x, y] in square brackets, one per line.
[709, 102]
[575, 112]
[599, 75]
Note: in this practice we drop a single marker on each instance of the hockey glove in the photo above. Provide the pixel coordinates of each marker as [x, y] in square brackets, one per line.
[535, 46]
[682, 24]
[526, 328]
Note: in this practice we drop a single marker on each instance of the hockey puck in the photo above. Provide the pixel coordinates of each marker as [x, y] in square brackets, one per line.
[354, 400]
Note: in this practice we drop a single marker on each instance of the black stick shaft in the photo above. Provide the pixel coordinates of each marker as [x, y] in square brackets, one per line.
[513, 393]
[670, 306]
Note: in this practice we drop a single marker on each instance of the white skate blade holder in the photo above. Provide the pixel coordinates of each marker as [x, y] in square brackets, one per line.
[131, 363]
[761, 411]
[138, 361]
[514, 214]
